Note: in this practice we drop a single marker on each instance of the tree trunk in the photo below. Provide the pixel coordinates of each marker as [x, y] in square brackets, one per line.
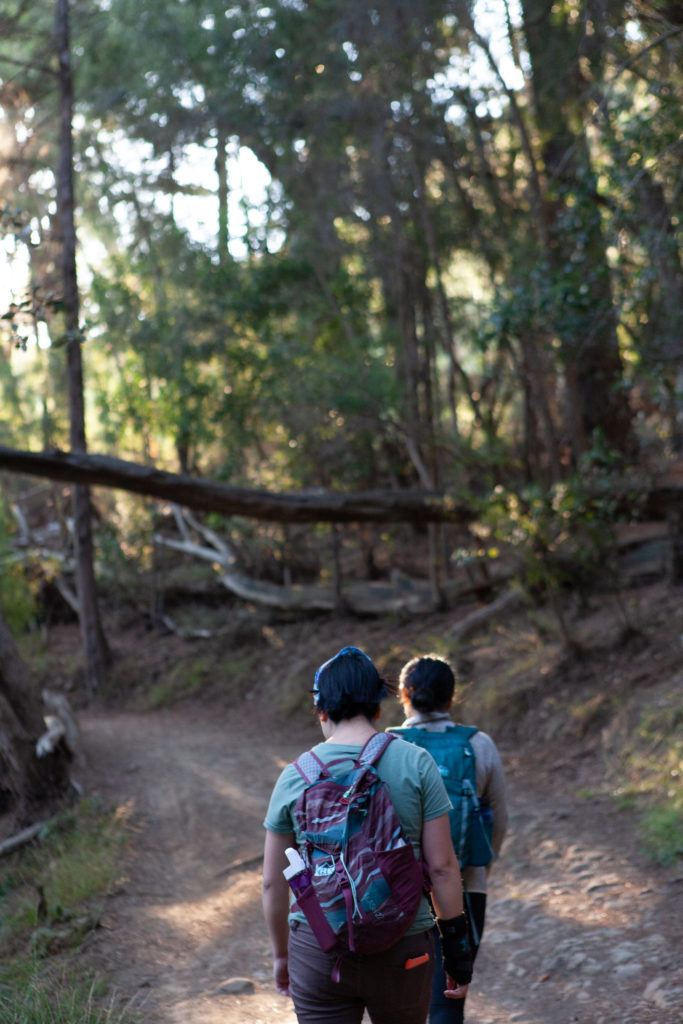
[534, 376]
[94, 644]
[28, 784]
[222, 173]
[585, 320]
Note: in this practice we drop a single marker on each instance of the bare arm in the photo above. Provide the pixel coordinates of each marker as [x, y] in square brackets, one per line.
[275, 897]
[444, 869]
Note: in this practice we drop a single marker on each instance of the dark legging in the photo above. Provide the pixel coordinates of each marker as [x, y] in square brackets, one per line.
[452, 1011]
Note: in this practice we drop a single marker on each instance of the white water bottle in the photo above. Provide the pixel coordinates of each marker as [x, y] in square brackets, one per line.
[296, 873]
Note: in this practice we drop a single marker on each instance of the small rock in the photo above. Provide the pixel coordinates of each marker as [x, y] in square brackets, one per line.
[627, 970]
[623, 952]
[599, 886]
[652, 987]
[235, 987]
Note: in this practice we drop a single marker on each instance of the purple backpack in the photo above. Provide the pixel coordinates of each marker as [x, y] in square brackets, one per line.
[362, 883]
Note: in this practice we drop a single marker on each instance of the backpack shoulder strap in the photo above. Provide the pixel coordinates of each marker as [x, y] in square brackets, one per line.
[374, 748]
[466, 731]
[310, 767]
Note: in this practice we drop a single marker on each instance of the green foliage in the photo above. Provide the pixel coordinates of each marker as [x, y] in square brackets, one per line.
[75, 864]
[442, 280]
[662, 830]
[653, 767]
[17, 600]
[76, 861]
[181, 682]
[32, 994]
[563, 536]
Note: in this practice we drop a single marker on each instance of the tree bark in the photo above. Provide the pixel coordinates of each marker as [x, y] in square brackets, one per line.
[207, 496]
[94, 644]
[576, 248]
[27, 783]
[222, 173]
[303, 507]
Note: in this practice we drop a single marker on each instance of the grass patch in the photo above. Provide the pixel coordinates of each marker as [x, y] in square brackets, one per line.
[589, 714]
[186, 679]
[39, 995]
[652, 770]
[210, 674]
[50, 898]
[75, 864]
[662, 829]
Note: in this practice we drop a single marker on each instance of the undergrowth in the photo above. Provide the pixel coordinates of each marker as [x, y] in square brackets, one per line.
[652, 767]
[51, 897]
[49, 996]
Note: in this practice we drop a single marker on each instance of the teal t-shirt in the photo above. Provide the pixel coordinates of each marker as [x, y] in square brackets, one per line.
[416, 788]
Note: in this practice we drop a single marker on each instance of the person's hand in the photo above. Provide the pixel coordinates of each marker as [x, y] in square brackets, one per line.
[281, 975]
[455, 950]
[454, 991]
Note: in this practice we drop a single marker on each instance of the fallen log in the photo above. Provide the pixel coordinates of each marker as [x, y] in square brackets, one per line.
[209, 496]
[399, 595]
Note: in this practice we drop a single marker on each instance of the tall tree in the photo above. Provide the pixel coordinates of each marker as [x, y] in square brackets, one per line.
[456, 213]
[95, 647]
[584, 311]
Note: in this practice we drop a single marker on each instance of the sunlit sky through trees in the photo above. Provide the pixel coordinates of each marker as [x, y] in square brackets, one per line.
[248, 178]
[477, 203]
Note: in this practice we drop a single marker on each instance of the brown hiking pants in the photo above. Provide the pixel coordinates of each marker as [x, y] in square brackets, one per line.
[394, 986]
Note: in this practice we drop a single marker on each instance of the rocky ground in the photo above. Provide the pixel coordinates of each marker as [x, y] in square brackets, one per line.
[580, 926]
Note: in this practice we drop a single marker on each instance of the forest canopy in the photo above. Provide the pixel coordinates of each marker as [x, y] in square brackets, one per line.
[353, 246]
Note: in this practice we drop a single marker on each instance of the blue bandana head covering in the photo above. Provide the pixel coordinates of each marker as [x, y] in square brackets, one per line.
[344, 650]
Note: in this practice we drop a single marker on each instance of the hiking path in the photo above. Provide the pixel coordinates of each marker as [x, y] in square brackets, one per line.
[580, 927]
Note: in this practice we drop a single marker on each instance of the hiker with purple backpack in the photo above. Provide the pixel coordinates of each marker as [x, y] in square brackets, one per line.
[475, 780]
[358, 829]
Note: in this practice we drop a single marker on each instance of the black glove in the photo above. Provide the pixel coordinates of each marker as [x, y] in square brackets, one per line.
[455, 949]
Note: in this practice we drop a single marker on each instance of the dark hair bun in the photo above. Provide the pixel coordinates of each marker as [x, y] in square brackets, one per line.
[429, 683]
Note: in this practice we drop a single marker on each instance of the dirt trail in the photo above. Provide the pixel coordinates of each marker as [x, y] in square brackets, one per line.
[580, 927]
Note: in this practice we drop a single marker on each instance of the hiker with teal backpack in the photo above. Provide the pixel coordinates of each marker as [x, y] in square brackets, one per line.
[358, 829]
[475, 780]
